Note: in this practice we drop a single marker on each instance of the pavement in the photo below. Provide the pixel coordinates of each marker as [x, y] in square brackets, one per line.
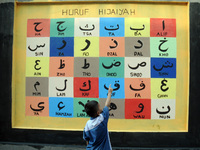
[26, 147]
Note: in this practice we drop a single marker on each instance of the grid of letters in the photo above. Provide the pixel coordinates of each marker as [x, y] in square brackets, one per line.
[70, 61]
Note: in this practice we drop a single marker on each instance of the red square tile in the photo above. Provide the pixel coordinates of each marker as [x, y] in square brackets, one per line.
[86, 87]
[38, 28]
[162, 27]
[137, 108]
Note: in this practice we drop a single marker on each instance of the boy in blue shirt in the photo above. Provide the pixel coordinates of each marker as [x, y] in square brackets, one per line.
[96, 132]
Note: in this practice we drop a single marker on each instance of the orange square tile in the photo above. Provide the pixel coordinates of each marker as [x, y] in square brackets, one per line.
[61, 67]
[37, 106]
[137, 88]
[112, 47]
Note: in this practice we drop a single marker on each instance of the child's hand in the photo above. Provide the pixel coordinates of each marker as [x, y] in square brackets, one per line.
[108, 100]
[110, 89]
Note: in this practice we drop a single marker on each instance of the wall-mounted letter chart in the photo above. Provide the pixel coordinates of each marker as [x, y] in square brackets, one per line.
[66, 54]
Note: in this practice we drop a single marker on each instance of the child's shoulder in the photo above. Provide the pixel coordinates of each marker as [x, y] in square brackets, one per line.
[94, 122]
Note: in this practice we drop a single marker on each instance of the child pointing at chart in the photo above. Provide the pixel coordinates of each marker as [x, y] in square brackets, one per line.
[96, 131]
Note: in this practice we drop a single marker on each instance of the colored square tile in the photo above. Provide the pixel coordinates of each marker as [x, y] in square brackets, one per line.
[163, 67]
[137, 47]
[137, 108]
[79, 106]
[163, 108]
[162, 27]
[116, 109]
[111, 47]
[62, 27]
[37, 66]
[61, 67]
[37, 106]
[163, 88]
[137, 27]
[86, 27]
[116, 83]
[137, 67]
[61, 87]
[38, 27]
[37, 86]
[86, 87]
[37, 47]
[61, 107]
[136, 88]
[111, 67]
[111, 27]
[61, 46]
[163, 47]
[86, 67]
[86, 46]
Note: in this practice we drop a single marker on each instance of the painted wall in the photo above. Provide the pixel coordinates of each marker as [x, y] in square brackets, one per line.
[190, 139]
[47, 82]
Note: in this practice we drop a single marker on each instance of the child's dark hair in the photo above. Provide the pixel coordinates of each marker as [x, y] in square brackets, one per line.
[91, 108]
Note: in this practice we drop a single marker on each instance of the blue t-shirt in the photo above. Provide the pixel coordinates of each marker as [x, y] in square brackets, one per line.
[96, 132]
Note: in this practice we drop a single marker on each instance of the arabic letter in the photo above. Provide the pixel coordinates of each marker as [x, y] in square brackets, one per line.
[38, 46]
[163, 112]
[142, 108]
[86, 65]
[105, 87]
[36, 84]
[138, 29]
[32, 49]
[36, 64]
[116, 44]
[117, 63]
[112, 29]
[87, 46]
[141, 85]
[116, 85]
[163, 85]
[64, 44]
[65, 86]
[154, 67]
[112, 106]
[141, 44]
[84, 84]
[163, 23]
[81, 103]
[107, 67]
[168, 66]
[36, 24]
[40, 107]
[143, 64]
[133, 67]
[163, 41]
[86, 28]
[62, 65]
[58, 27]
[60, 107]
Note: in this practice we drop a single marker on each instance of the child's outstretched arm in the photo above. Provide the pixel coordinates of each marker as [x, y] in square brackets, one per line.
[109, 96]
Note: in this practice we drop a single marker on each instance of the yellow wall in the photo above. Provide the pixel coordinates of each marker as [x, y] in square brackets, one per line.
[24, 11]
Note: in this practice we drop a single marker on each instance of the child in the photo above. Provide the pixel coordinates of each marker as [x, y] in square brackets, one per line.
[96, 132]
